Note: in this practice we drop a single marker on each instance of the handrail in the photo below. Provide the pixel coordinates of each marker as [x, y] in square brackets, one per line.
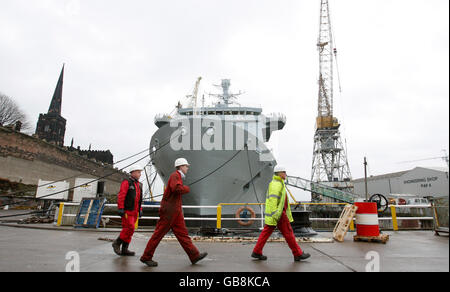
[320, 188]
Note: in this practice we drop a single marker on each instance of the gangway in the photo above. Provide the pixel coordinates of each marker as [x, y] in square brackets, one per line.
[320, 189]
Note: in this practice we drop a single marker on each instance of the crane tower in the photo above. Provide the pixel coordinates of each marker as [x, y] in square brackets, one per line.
[330, 164]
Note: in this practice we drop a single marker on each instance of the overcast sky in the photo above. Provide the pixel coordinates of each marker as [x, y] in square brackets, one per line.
[127, 61]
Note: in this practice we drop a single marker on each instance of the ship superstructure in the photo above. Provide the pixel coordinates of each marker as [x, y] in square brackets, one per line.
[225, 145]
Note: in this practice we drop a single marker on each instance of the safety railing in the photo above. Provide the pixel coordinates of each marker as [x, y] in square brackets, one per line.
[219, 212]
[62, 205]
[395, 219]
[219, 208]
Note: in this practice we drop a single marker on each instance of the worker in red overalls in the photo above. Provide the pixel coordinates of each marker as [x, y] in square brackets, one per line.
[171, 217]
[129, 204]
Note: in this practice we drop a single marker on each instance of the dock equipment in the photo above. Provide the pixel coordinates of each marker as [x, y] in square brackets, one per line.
[367, 219]
[367, 224]
[90, 213]
[344, 223]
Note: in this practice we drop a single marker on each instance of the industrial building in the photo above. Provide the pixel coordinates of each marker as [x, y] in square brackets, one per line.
[417, 182]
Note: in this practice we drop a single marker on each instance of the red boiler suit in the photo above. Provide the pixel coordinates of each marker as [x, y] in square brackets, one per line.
[131, 208]
[171, 217]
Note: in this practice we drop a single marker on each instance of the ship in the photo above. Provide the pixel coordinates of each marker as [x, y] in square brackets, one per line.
[225, 144]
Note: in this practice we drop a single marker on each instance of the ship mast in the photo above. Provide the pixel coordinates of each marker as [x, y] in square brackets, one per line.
[227, 97]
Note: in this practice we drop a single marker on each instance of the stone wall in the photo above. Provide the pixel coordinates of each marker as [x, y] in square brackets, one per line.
[26, 159]
[99, 155]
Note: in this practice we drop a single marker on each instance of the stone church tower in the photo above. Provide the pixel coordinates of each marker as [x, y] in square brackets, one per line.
[52, 126]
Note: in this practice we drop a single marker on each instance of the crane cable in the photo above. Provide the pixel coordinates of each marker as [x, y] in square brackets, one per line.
[214, 171]
[75, 187]
[30, 213]
[251, 175]
[66, 178]
[69, 189]
[195, 182]
[210, 173]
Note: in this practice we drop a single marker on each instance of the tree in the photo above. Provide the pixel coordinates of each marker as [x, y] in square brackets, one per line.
[10, 113]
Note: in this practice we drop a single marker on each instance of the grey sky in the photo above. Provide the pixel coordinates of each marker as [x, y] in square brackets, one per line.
[128, 61]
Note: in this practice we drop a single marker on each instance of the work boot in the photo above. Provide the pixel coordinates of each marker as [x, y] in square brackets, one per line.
[200, 257]
[259, 256]
[304, 256]
[116, 245]
[125, 251]
[149, 263]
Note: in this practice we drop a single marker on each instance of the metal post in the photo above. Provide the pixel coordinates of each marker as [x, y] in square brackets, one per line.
[60, 214]
[365, 178]
[394, 218]
[219, 217]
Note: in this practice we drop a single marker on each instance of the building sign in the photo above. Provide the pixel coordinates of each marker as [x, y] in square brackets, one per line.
[419, 180]
[85, 189]
[48, 190]
[424, 182]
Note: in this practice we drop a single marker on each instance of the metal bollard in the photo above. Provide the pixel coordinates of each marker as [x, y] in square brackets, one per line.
[219, 217]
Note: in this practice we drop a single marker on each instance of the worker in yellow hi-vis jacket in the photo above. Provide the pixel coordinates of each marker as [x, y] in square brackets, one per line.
[278, 214]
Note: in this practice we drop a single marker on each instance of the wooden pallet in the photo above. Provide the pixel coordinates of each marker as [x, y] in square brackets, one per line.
[382, 238]
[343, 224]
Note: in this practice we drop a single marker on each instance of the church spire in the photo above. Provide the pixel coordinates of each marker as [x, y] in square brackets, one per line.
[55, 105]
[52, 126]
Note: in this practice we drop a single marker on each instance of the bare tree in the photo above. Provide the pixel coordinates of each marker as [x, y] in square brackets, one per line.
[10, 113]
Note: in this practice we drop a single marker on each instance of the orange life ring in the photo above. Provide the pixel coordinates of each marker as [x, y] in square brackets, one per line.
[252, 213]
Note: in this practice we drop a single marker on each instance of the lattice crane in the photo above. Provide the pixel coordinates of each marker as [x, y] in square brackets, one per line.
[330, 164]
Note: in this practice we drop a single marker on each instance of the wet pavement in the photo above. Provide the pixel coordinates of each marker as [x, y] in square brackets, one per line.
[41, 250]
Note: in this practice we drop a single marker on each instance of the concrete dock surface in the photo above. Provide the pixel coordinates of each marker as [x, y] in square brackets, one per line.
[49, 250]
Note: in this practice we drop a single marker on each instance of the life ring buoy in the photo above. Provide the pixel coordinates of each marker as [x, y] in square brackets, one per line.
[252, 214]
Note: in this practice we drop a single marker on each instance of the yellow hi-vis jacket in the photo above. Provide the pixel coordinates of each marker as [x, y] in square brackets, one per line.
[276, 197]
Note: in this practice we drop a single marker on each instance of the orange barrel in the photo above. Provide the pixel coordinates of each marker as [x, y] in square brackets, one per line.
[367, 219]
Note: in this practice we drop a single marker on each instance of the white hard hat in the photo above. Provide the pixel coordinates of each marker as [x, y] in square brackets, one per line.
[135, 168]
[180, 162]
[279, 168]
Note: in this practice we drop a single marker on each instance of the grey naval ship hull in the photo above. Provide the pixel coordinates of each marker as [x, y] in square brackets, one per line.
[232, 183]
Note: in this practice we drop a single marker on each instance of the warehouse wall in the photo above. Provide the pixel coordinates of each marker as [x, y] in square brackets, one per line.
[379, 186]
[418, 181]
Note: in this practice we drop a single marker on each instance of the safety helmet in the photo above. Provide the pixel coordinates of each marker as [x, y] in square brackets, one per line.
[135, 168]
[279, 168]
[180, 162]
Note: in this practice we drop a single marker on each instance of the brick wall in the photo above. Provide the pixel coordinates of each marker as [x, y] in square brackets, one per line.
[26, 159]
